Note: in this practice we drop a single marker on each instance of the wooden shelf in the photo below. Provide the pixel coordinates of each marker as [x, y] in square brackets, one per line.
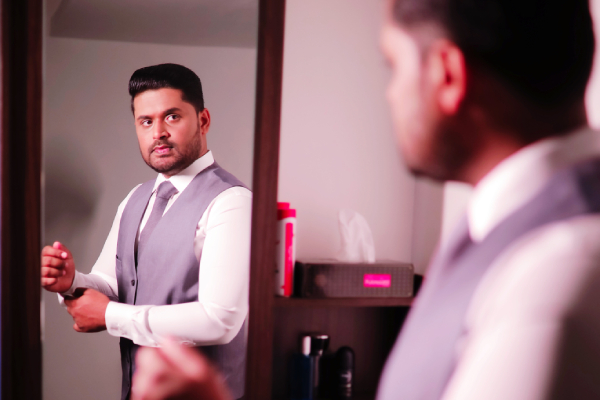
[344, 302]
[356, 396]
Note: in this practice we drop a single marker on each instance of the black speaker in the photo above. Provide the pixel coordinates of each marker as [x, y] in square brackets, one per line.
[323, 279]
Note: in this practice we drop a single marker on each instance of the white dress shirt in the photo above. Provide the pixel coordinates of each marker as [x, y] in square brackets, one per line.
[222, 244]
[519, 320]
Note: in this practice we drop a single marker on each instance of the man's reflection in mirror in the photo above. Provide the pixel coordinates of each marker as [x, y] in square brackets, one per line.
[176, 261]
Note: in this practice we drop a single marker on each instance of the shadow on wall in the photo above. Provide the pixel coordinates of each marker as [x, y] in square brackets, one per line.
[72, 189]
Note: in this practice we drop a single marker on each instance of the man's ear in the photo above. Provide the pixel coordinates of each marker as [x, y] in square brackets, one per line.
[204, 120]
[448, 75]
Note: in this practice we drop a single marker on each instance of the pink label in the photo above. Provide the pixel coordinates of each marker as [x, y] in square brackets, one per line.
[289, 260]
[377, 280]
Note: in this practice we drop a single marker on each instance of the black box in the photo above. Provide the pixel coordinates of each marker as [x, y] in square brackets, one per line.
[322, 279]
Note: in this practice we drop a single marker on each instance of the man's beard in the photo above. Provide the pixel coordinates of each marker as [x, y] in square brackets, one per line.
[180, 159]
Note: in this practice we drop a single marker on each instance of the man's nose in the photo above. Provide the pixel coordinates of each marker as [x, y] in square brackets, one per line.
[160, 131]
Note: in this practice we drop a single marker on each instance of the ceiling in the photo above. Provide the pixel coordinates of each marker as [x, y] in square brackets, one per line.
[227, 23]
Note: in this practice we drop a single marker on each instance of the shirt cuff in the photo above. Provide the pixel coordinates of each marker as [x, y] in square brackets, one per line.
[131, 322]
[76, 283]
[69, 292]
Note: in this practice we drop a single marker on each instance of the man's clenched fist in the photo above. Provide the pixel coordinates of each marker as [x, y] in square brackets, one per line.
[87, 307]
[58, 268]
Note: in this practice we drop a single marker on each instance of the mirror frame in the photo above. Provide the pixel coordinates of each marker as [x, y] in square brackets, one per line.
[21, 155]
[21, 192]
[269, 74]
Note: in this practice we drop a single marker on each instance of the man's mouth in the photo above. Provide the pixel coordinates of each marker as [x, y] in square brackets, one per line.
[161, 150]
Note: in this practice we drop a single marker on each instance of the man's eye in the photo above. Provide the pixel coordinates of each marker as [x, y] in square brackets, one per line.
[146, 122]
[172, 117]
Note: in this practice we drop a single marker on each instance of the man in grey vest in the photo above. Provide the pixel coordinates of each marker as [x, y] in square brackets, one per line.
[175, 263]
[491, 93]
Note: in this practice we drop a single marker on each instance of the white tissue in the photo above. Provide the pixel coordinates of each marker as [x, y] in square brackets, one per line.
[357, 239]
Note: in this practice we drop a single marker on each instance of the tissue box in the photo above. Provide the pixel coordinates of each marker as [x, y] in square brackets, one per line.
[322, 279]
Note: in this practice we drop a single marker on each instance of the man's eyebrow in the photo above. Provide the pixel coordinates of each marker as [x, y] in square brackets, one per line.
[166, 112]
[171, 110]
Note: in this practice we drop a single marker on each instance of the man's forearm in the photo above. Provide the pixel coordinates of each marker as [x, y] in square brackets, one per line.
[191, 323]
[95, 280]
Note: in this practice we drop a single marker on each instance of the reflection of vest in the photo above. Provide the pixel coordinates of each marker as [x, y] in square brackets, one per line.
[425, 355]
[167, 271]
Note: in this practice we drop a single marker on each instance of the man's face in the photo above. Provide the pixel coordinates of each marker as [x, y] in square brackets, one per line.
[427, 138]
[170, 132]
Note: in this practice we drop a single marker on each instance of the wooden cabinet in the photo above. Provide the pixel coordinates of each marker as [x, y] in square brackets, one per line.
[368, 326]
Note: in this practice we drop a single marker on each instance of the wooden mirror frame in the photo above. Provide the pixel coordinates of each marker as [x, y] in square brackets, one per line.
[21, 155]
[264, 204]
[21, 161]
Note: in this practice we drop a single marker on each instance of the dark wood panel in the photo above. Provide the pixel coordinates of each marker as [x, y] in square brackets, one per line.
[265, 174]
[371, 332]
[355, 396]
[345, 302]
[20, 210]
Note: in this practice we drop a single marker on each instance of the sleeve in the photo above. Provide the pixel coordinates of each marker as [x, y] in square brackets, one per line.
[536, 325]
[223, 240]
[103, 275]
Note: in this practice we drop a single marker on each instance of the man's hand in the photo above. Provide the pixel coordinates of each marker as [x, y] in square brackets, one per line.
[176, 372]
[87, 308]
[58, 268]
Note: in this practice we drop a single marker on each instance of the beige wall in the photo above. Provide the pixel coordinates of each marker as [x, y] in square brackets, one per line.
[337, 145]
[92, 160]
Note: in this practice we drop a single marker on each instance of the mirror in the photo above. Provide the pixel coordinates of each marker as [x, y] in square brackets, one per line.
[91, 158]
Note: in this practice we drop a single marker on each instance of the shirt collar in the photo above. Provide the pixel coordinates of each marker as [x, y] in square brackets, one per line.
[183, 178]
[519, 177]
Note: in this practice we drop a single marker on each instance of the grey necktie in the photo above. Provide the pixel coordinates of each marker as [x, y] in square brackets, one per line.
[165, 191]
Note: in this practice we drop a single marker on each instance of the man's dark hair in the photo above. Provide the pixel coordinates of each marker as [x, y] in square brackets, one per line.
[172, 76]
[542, 48]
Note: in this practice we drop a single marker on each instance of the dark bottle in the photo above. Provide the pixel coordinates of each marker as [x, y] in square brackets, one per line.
[318, 347]
[343, 374]
[302, 373]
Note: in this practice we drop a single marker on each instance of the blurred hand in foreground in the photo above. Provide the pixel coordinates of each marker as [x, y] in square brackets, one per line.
[176, 372]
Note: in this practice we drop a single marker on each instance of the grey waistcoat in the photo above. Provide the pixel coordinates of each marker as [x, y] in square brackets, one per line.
[424, 356]
[167, 270]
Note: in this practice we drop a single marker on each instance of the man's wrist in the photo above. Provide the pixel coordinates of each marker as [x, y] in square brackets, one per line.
[74, 285]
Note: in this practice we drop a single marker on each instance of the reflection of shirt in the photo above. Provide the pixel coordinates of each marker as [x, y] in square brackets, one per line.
[519, 343]
[222, 244]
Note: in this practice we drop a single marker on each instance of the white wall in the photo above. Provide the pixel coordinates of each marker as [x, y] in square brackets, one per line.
[92, 160]
[337, 146]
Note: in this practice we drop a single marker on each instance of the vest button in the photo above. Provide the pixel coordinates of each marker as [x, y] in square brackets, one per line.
[133, 282]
